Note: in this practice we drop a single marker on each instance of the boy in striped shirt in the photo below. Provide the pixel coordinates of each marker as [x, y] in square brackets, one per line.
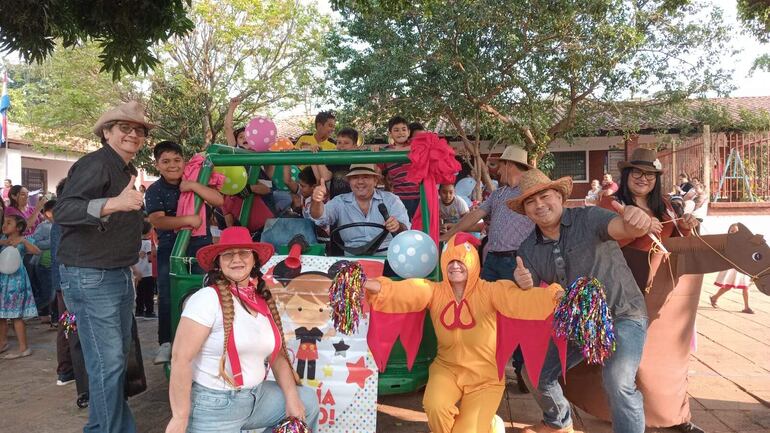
[394, 173]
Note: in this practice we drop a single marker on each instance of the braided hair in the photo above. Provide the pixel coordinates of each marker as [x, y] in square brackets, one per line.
[215, 278]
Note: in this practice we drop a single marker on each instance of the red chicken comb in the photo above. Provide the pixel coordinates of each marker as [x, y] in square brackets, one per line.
[463, 237]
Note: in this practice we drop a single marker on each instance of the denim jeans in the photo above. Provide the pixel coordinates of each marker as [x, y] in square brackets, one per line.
[103, 300]
[618, 377]
[45, 291]
[498, 267]
[164, 283]
[261, 407]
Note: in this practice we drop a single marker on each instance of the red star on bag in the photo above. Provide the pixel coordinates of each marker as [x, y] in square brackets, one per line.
[357, 372]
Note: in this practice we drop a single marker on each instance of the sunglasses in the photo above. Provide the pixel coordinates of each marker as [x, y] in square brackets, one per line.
[125, 128]
[241, 254]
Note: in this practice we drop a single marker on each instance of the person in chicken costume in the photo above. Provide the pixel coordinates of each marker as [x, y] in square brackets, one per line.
[478, 325]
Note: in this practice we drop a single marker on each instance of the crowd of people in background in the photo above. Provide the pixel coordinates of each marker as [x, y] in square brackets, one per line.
[66, 272]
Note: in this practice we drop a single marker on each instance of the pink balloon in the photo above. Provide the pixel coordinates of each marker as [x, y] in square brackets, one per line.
[261, 133]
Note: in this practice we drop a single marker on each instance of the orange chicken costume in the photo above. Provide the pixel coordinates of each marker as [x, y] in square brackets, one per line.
[469, 364]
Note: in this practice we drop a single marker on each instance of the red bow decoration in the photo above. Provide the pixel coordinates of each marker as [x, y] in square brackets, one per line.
[432, 163]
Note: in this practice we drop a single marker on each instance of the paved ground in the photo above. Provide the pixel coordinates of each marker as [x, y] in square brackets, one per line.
[729, 383]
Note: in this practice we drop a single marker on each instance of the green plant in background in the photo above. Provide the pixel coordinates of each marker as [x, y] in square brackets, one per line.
[124, 31]
[265, 52]
[523, 71]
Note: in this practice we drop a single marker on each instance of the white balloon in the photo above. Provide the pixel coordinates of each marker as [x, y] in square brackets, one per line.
[10, 260]
[465, 187]
[412, 254]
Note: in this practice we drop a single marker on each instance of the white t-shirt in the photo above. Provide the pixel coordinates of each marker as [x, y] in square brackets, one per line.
[253, 338]
[452, 212]
[143, 266]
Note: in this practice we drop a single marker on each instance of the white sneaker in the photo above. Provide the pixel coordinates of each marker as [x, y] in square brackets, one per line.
[164, 354]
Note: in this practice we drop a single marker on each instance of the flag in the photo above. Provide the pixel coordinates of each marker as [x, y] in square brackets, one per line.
[5, 104]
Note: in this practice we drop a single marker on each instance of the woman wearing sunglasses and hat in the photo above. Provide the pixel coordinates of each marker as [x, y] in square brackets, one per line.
[227, 331]
[662, 375]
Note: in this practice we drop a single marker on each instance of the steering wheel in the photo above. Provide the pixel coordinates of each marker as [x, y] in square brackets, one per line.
[368, 249]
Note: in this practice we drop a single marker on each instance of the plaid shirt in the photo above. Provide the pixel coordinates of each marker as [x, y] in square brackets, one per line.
[507, 229]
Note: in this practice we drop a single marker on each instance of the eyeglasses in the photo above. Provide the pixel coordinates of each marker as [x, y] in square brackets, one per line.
[141, 130]
[638, 174]
[230, 255]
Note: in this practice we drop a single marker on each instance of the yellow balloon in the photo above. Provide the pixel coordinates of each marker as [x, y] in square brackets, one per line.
[235, 179]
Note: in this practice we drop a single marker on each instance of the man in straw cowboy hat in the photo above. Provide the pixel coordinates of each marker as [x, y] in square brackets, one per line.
[506, 231]
[581, 242]
[101, 218]
[360, 205]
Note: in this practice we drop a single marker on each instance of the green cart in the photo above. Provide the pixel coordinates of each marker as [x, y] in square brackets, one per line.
[396, 379]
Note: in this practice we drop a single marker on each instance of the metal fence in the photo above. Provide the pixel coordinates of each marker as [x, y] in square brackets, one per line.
[740, 165]
[685, 158]
[741, 170]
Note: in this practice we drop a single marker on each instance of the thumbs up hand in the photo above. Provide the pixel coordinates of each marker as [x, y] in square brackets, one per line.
[128, 200]
[522, 276]
[319, 193]
[636, 220]
[617, 207]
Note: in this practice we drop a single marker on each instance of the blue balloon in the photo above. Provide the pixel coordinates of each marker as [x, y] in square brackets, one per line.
[465, 187]
[412, 254]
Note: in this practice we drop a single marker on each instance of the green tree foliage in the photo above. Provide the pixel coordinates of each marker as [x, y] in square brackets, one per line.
[523, 71]
[755, 16]
[59, 99]
[124, 30]
[264, 52]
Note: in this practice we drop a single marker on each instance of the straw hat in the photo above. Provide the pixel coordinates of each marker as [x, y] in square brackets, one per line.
[131, 111]
[233, 237]
[359, 169]
[515, 154]
[643, 159]
[535, 181]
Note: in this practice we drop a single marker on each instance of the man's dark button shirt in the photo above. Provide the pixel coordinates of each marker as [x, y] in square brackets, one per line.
[90, 241]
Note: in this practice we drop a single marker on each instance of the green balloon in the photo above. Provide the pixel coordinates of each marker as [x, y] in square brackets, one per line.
[278, 177]
[235, 179]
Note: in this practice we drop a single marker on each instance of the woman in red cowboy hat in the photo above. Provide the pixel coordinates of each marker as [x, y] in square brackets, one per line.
[227, 331]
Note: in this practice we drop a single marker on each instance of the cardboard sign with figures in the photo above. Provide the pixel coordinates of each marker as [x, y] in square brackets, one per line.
[339, 367]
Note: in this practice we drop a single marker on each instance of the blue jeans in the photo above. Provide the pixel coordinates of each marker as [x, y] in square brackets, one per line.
[103, 300]
[261, 407]
[164, 282]
[618, 377]
[498, 267]
[45, 291]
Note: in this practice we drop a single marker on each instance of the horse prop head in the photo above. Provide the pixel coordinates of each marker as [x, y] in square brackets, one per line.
[752, 254]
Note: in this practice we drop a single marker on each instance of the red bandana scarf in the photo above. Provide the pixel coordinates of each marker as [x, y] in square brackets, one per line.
[250, 298]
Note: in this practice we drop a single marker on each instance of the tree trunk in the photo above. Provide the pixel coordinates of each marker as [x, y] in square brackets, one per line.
[480, 171]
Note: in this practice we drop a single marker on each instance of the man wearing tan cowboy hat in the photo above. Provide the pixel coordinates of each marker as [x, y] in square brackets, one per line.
[506, 230]
[362, 204]
[101, 218]
[569, 243]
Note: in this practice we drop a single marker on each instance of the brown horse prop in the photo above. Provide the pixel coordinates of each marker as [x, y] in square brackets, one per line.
[671, 307]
